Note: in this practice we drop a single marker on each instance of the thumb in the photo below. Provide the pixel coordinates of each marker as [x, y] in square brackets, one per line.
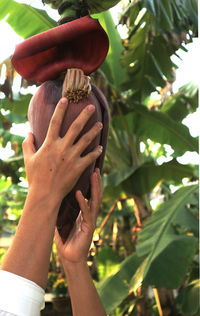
[28, 146]
[57, 239]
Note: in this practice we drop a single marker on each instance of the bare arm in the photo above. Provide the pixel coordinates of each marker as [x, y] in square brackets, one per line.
[83, 294]
[30, 251]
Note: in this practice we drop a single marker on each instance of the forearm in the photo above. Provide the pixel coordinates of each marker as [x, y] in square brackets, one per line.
[30, 251]
[84, 297]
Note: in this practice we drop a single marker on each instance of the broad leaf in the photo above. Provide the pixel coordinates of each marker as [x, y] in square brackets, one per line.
[9, 137]
[107, 262]
[111, 66]
[145, 69]
[188, 299]
[148, 175]
[142, 179]
[159, 127]
[156, 32]
[18, 106]
[10, 168]
[118, 154]
[168, 253]
[25, 20]
[149, 4]
[192, 8]
[115, 178]
[114, 289]
[4, 184]
[178, 106]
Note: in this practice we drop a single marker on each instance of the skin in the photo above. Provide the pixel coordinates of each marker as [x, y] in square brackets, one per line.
[29, 254]
[84, 298]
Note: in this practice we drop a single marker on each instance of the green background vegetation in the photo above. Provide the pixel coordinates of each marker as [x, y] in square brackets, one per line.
[141, 256]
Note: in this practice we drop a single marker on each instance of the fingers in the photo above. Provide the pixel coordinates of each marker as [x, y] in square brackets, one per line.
[94, 191]
[95, 194]
[56, 120]
[97, 170]
[57, 239]
[90, 158]
[28, 146]
[78, 124]
[87, 138]
[83, 206]
[56, 236]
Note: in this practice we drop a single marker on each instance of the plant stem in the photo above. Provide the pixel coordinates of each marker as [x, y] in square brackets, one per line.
[106, 218]
[130, 140]
[71, 11]
[155, 291]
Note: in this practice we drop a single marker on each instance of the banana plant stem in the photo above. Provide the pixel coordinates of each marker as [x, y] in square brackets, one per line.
[107, 217]
[156, 294]
[71, 10]
[130, 140]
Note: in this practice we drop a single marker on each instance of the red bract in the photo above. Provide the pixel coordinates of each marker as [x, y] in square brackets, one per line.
[40, 111]
[81, 43]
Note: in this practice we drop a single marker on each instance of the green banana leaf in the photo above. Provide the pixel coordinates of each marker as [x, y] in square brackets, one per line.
[154, 37]
[115, 288]
[118, 155]
[188, 299]
[25, 20]
[159, 127]
[150, 5]
[11, 167]
[9, 137]
[169, 252]
[192, 8]
[181, 104]
[111, 66]
[148, 175]
[142, 179]
[18, 106]
[107, 262]
[115, 178]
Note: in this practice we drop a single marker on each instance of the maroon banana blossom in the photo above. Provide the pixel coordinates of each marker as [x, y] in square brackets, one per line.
[81, 44]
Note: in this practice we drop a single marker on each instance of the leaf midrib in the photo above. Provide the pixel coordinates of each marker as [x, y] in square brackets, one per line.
[171, 216]
[40, 16]
[145, 113]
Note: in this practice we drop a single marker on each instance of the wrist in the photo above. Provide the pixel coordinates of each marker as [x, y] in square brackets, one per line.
[42, 200]
[72, 267]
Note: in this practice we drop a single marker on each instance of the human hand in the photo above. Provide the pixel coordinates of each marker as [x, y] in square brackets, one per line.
[56, 167]
[76, 247]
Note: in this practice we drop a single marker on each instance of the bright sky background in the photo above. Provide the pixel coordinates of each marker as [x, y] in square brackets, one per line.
[187, 72]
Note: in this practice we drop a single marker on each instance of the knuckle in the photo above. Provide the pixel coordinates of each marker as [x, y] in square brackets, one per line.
[92, 156]
[87, 138]
[54, 121]
[46, 145]
[76, 125]
[96, 129]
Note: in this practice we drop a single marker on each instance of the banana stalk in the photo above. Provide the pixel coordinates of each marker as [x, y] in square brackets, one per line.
[95, 6]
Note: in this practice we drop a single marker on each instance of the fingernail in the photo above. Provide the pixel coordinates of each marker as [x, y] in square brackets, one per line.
[99, 124]
[100, 148]
[64, 100]
[91, 107]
